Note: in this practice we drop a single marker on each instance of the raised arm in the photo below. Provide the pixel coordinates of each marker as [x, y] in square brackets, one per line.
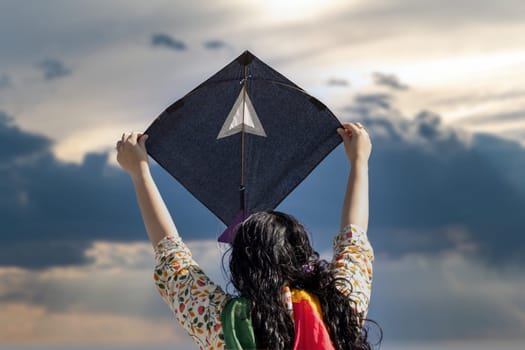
[358, 148]
[133, 158]
[195, 300]
[353, 253]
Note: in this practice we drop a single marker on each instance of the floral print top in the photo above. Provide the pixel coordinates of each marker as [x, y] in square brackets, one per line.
[197, 302]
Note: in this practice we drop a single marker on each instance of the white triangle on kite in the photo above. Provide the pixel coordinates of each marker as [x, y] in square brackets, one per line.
[234, 121]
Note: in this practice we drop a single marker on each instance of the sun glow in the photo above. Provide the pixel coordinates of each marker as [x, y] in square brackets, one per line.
[295, 9]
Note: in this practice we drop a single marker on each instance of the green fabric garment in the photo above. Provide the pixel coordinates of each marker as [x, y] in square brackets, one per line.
[237, 325]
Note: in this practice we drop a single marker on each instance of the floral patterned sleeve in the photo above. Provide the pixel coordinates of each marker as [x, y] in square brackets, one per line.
[195, 300]
[353, 258]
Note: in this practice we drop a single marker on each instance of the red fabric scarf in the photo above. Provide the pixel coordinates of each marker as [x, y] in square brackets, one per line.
[310, 330]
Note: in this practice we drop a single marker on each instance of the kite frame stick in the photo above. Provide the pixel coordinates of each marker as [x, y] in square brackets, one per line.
[242, 125]
[241, 187]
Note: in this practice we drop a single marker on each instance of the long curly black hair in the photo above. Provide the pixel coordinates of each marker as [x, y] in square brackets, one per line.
[269, 252]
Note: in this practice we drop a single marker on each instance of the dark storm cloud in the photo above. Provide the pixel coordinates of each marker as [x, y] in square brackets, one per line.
[41, 253]
[17, 144]
[166, 40]
[389, 80]
[51, 211]
[53, 69]
[434, 188]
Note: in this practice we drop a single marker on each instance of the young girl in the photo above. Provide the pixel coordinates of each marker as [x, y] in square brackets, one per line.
[287, 296]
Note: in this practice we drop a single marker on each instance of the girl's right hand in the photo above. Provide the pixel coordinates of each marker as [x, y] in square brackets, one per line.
[356, 141]
[131, 152]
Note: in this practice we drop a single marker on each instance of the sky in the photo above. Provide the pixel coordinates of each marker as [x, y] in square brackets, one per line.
[439, 85]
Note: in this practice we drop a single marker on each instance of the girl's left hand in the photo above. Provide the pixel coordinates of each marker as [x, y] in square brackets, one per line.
[131, 152]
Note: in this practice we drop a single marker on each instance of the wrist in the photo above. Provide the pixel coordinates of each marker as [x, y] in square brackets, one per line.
[359, 163]
[140, 172]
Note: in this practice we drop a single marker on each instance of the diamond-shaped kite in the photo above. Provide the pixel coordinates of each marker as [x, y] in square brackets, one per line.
[241, 141]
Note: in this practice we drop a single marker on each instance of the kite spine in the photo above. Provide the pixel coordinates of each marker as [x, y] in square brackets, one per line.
[241, 187]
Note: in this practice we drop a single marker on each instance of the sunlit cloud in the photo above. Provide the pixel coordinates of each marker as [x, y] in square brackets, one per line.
[98, 138]
[111, 300]
[295, 10]
[32, 324]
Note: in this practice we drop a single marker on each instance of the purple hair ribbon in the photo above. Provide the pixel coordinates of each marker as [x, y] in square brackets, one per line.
[229, 234]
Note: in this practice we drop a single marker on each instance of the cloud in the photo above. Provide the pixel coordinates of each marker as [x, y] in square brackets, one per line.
[513, 94]
[428, 125]
[17, 145]
[509, 124]
[436, 188]
[430, 14]
[447, 297]
[429, 193]
[516, 115]
[114, 294]
[338, 82]
[112, 269]
[517, 133]
[382, 100]
[5, 81]
[29, 324]
[215, 44]
[102, 302]
[61, 208]
[167, 41]
[433, 220]
[5, 118]
[389, 80]
[385, 120]
[432, 189]
[53, 69]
